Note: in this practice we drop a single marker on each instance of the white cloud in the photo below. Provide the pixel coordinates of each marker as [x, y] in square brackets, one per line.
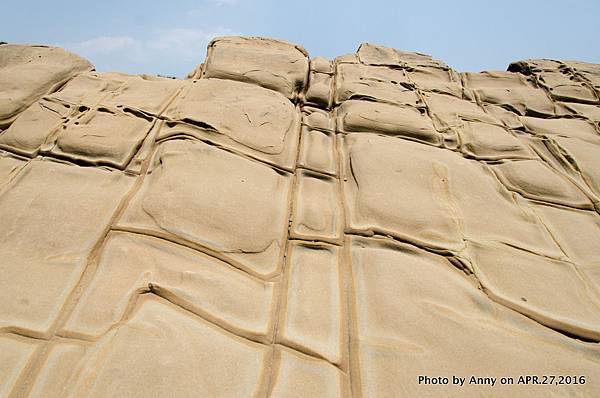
[173, 51]
[221, 3]
[107, 44]
[208, 7]
[195, 13]
[186, 42]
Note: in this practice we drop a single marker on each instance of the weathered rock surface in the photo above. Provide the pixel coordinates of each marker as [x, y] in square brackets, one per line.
[29, 72]
[282, 226]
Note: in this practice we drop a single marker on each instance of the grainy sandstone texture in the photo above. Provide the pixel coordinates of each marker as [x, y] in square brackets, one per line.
[281, 226]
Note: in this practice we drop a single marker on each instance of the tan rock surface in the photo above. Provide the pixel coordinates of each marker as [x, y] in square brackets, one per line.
[284, 226]
[29, 72]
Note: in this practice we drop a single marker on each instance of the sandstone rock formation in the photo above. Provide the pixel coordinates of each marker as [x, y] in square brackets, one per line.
[282, 226]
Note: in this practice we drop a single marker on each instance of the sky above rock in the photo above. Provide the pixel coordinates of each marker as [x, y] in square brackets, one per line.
[170, 38]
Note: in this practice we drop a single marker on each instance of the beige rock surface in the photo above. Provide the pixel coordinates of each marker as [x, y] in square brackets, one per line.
[273, 64]
[284, 226]
[29, 72]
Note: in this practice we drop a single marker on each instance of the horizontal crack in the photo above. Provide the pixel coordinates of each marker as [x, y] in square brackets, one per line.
[34, 336]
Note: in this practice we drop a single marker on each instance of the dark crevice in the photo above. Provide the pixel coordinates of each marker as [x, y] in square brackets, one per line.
[378, 235]
[137, 113]
[200, 124]
[566, 333]
[520, 67]
[74, 161]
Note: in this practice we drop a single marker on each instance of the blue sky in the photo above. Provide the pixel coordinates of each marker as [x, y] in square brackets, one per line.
[170, 37]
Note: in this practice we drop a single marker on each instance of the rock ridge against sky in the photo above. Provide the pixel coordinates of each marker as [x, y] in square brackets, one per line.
[287, 226]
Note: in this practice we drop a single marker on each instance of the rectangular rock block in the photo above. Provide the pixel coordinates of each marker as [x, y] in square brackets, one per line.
[373, 117]
[318, 119]
[373, 54]
[590, 112]
[577, 233]
[321, 65]
[448, 111]
[242, 116]
[317, 209]
[440, 80]
[312, 316]
[204, 195]
[534, 179]
[101, 137]
[584, 155]
[317, 151]
[37, 124]
[376, 83]
[588, 71]
[491, 142]
[273, 64]
[320, 89]
[511, 90]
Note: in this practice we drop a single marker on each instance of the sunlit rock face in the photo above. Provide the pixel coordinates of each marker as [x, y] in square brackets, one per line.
[280, 225]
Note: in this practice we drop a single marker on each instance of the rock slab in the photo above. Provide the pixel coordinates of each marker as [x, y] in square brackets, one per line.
[284, 226]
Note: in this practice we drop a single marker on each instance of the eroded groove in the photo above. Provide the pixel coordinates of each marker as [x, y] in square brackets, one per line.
[378, 234]
[28, 335]
[540, 320]
[200, 124]
[308, 353]
[173, 239]
[269, 382]
[156, 289]
[277, 168]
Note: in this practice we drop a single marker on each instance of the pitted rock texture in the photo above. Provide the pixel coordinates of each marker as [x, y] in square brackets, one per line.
[280, 226]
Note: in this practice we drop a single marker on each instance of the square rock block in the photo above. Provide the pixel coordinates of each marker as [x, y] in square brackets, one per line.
[101, 136]
[208, 196]
[259, 122]
[273, 64]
